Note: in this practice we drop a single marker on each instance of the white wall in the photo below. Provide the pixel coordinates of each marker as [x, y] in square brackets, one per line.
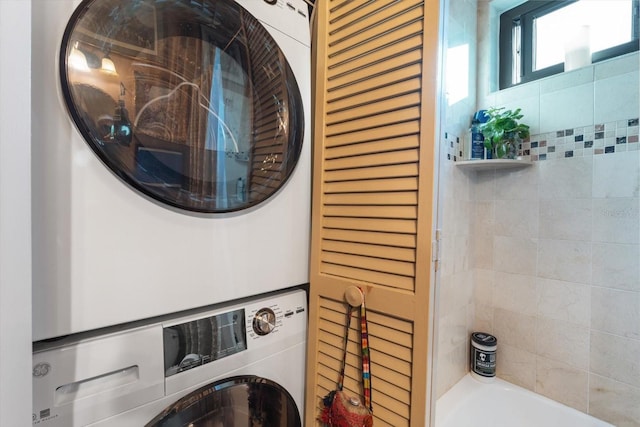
[15, 211]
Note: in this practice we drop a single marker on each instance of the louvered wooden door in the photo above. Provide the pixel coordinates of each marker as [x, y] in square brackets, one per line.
[374, 131]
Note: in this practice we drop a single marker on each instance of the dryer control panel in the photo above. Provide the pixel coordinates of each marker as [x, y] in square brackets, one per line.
[80, 380]
[198, 342]
[240, 334]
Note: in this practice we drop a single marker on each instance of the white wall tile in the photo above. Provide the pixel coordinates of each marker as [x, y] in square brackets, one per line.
[562, 383]
[566, 301]
[515, 329]
[485, 186]
[488, 100]
[616, 66]
[581, 76]
[487, 44]
[462, 182]
[483, 218]
[616, 266]
[616, 97]
[563, 341]
[564, 260]
[614, 402]
[616, 220]
[565, 178]
[455, 291]
[483, 318]
[482, 235]
[515, 292]
[516, 366]
[616, 312]
[450, 368]
[515, 93]
[566, 108]
[516, 218]
[484, 281]
[565, 219]
[461, 254]
[446, 295]
[452, 330]
[514, 255]
[517, 184]
[616, 358]
[616, 175]
[483, 251]
[447, 255]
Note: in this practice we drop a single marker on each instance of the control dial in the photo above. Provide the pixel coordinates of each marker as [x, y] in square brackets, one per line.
[264, 321]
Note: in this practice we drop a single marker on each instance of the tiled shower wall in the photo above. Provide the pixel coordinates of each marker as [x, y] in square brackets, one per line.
[557, 245]
[556, 250]
[454, 284]
[547, 257]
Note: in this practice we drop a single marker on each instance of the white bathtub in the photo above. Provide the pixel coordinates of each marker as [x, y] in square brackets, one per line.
[471, 403]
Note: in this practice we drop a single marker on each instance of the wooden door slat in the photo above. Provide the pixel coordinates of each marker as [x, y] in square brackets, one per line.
[385, 92]
[372, 237]
[408, 71]
[369, 250]
[372, 185]
[378, 68]
[360, 115]
[370, 160]
[374, 134]
[376, 277]
[387, 171]
[371, 224]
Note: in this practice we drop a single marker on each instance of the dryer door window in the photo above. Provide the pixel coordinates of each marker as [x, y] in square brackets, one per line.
[234, 402]
[192, 103]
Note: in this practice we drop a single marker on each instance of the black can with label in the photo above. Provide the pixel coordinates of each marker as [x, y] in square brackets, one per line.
[483, 356]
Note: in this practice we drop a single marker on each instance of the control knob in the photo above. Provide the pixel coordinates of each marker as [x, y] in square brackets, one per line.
[264, 321]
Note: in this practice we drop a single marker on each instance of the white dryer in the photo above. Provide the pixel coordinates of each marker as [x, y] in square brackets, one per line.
[171, 156]
[236, 365]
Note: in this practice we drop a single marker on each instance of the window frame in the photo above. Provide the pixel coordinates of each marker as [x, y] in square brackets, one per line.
[525, 14]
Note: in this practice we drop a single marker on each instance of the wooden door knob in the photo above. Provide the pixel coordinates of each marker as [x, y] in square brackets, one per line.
[354, 296]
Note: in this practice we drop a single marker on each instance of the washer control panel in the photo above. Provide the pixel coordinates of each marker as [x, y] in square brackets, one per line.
[264, 321]
[273, 318]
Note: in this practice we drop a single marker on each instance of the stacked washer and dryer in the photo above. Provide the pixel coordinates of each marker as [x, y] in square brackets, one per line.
[171, 211]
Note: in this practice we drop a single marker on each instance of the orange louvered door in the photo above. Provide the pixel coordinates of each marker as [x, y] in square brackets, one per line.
[373, 190]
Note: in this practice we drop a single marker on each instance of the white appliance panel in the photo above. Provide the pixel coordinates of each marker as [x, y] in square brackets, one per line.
[105, 254]
[118, 379]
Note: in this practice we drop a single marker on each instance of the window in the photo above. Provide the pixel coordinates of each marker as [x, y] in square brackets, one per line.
[542, 38]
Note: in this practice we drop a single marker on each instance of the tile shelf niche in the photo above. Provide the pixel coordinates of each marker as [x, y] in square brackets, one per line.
[493, 164]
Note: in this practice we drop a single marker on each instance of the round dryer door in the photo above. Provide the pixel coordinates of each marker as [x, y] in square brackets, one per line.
[189, 102]
[247, 401]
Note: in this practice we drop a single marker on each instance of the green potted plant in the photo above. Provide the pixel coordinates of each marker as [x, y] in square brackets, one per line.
[503, 133]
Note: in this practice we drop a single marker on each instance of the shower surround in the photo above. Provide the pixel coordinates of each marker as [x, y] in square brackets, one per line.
[545, 257]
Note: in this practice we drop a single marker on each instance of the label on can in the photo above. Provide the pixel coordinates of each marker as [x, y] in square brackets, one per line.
[477, 145]
[483, 362]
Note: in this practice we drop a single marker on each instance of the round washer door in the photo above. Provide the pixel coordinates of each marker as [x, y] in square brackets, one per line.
[190, 103]
[246, 401]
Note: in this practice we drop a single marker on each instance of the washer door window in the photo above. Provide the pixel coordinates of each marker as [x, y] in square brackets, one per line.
[248, 401]
[191, 103]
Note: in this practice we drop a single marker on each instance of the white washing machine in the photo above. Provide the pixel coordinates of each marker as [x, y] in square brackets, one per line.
[237, 365]
[171, 156]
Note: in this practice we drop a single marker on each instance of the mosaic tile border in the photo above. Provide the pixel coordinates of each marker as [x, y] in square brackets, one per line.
[602, 138]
